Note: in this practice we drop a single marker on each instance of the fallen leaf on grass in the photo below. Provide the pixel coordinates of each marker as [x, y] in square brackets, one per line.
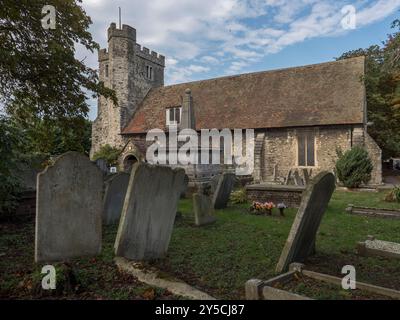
[149, 294]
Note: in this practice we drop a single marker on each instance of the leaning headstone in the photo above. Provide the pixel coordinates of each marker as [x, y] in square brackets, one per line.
[69, 209]
[301, 239]
[114, 197]
[102, 165]
[203, 206]
[223, 190]
[149, 211]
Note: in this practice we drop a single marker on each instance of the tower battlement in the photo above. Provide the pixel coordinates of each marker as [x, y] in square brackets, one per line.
[125, 32]
[131, 70]
[152, 56]
[103, 55]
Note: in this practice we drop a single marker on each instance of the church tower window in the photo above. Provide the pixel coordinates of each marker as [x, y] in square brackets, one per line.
[149, 72]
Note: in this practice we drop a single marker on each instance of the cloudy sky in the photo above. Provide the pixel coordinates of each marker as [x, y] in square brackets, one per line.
[209, 38]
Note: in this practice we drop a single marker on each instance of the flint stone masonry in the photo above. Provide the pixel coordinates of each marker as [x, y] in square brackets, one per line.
[223, 190]
[289, 195]
[149, 211]
[300, 242]
[203, 209]
[114, 197]
[69, 209]
[373, 247]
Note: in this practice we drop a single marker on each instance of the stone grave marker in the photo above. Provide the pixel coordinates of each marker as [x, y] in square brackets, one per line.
[300, 242]
[102, 165]
[185, 186]
[69, 209]
[374, 247]
[114, 197]
[149, 211]
[203, 206]
[223, 190]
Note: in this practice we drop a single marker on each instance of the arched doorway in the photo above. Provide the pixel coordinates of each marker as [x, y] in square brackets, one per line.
[129, 161]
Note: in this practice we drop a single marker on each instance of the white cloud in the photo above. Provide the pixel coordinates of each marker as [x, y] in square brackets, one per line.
[209, 60]
[228, 34]
[377, 11]
[196, 68]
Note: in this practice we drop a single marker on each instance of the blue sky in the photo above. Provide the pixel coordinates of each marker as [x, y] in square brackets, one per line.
[212, 38]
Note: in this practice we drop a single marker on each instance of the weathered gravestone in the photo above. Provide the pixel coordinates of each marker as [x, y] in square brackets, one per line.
[114, 197]
[102, 165]
[300, 242]
[223, 190]
[185, 186]
[203, 206]
[69, 209]
[149, 210]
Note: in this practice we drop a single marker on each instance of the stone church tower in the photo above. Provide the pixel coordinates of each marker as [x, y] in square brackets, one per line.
[131, 71]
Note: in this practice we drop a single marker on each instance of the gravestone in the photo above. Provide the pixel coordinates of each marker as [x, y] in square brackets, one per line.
[374, 247]
[69, 209]
[114, 197]
[203, 206]
[185, 186]
[149, 210]
[223, 190]
[102, 165]
[300, 242]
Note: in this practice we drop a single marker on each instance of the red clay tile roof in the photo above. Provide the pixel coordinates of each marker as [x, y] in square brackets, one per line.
[322, 94]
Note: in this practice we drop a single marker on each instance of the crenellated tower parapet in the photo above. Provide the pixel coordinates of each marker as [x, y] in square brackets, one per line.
[131, 70]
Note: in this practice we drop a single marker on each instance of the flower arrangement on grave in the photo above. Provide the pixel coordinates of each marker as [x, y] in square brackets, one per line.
[262, 207]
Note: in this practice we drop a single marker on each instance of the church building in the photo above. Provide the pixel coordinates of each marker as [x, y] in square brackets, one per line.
[301, 116]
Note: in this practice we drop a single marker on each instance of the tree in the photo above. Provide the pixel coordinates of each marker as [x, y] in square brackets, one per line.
[109, 154]
[53, 137]
[383, 91]
[38, 68]
[10, 140]
[354, 167]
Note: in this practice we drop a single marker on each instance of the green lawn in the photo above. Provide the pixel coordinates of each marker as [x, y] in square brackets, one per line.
[220, 258]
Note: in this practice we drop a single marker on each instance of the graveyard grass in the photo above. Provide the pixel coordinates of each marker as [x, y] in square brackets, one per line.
[217, 258]
[220, 258]
[97, 277]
